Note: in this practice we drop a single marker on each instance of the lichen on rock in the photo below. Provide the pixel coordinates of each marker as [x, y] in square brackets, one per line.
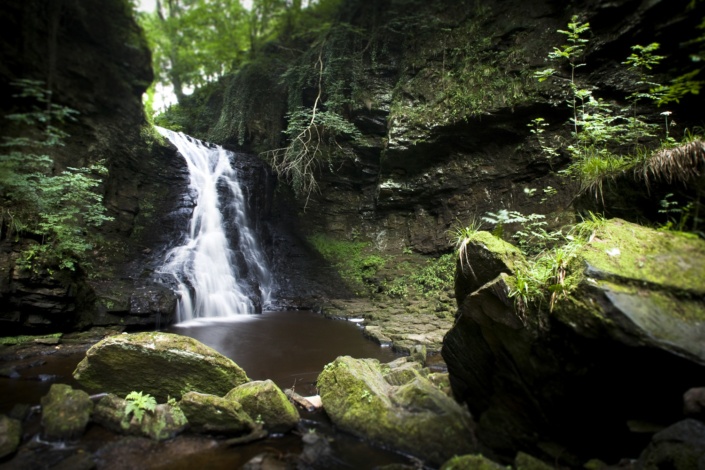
[164, 422]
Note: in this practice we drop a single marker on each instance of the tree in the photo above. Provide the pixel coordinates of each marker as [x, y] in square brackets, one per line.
[194, 41]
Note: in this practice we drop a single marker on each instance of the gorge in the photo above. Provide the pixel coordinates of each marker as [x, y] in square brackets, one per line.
[511, 187]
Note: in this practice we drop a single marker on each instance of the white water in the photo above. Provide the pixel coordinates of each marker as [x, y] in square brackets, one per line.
[203, 266]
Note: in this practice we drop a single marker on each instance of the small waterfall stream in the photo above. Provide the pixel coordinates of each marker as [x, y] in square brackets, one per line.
[211, 284]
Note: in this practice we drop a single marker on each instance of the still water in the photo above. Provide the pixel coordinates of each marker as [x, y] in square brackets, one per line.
[291, 348]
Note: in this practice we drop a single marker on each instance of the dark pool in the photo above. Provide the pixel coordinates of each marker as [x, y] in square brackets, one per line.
[289, 347]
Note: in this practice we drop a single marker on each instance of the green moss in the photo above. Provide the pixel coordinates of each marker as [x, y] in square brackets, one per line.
[266, 401]
[12, 340]
[161, 364]
[471, 462]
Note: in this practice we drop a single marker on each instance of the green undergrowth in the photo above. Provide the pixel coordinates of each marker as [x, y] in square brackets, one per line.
[405, 276]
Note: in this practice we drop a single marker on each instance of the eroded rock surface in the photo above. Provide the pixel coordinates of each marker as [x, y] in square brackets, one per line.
[265, 402]
[210, 413]
[65, 413]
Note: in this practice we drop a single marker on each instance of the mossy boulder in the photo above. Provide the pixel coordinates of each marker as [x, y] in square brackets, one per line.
[10, 435]
[471, 462]
[562, 384]
[213, 414]
[65, 413]
[163, 423]
[484, 257]
[161, 364]
[415, 417]
[265, 402]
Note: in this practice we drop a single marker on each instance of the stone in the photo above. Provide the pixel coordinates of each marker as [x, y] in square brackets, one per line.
[161, 364]
[632, 321]
[163, 423]
[471, 462]
[65, 413]
[266, 403]
[213, 414]
[694, 402]
[10, 435]
[415, 417]
[485, 257]
[525, 461]
[678, 447]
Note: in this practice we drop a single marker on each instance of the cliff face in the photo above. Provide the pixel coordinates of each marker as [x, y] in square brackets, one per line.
[94, 59]
[444, 94]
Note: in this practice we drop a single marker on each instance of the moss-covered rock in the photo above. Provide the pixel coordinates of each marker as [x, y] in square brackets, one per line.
[10, 435]
[163, 423]
[265, 402]
[632, 317]
[161, 364]
[209, 413]
[415, 417]
[484, 258]
[65, 413]
[525, 461]
[471, 462]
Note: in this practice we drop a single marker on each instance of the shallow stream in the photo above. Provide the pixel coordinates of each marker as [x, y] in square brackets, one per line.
[291, 348]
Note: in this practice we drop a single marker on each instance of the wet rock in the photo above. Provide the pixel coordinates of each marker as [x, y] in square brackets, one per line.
[269, 461]
[678, 447]
[415, 417]
[317, 451]
[633, 322]
[161, 364]
[10, 435]
[471, 462]
[265, 402]
[65, 413]
[164, 422]
[209, 413]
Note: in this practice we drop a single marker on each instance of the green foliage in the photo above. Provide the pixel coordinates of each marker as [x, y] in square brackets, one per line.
[60, 210]
[435, 276]
[356, 266]
[138, 403]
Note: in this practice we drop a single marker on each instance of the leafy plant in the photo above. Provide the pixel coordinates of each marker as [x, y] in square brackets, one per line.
[138, 403]
[58, 210]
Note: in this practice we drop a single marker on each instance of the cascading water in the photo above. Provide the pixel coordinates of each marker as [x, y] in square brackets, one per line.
[210, 282]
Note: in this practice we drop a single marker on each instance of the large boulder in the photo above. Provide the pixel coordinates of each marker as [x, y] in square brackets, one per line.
[161, 364]
[210, 413]
[164, 422]
[570, 383]
[65, 413]
[265, 402]
[10, 435]
[678, 447]
[415, 417]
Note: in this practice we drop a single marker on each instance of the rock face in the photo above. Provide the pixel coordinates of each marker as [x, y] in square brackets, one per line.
[210, 413]
[575, 377]
[414, 416]
[265, 402]
[163, 423]
[160, 364]
[65, 413]
[59, 44]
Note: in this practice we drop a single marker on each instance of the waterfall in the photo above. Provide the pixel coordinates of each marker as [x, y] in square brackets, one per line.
[219, 272]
